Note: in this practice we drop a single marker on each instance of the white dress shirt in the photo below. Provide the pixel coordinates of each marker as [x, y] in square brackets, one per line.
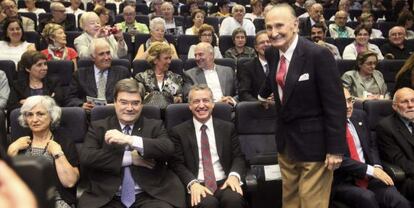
[357, 142]
[288, 56]
[213, 83]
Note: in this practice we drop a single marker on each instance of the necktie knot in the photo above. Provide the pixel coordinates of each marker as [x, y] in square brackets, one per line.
[127, 129]
[203, 127]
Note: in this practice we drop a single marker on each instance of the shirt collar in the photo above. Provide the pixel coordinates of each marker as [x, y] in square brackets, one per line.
[289, 52]
[97, 71]
[198, 124]
[123, 126]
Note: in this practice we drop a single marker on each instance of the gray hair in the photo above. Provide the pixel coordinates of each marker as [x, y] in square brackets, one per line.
[206, 47]
[155, 22]
[54, 111]
[238, 6]
[85, 16]
[97, 42]
[199, 87]
[308, 4]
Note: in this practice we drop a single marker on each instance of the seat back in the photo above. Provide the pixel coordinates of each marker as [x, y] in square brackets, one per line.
[178, 113]
[184, 42]
[9, 69]
[377, 110]
[389, 68]
[138, 66]
[190, 63]
[345, 65]
[115, 62]
[70, 37]
[62, 69]
[101, 112]
[341, 43]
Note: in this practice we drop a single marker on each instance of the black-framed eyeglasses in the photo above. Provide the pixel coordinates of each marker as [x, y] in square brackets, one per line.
[350, 100]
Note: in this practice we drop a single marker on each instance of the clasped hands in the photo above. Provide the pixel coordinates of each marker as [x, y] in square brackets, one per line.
[199, 191]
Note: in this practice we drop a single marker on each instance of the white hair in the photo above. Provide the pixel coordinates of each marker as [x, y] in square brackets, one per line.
[54, 111]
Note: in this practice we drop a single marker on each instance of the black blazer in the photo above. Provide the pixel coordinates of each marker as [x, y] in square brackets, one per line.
[396, 144]
[83, 84]
[351, 169]
[21, 90]
[311, 121]
[104, 163]
[305, 26]
[185, 161]
[251, 77]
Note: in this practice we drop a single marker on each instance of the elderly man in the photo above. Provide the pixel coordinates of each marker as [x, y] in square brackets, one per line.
[172, 26]
[130, 25]
[9, 8]
[59, 17]
[318, 36]
[96, 81]
[221, 79]
[315, 16]
[212, 177]
[252, 74]
[360, 181]
[126, 156]
[310, 132]
[343, 5]
[339, 28]
[237, 20]
[308, 4]
[397, 47]
[395, 138]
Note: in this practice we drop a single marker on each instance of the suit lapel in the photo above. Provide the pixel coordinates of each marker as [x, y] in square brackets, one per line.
[274, 60]
[222, 79]
[404, 131]
[294, 71]
[219, 139]
[109, 82]
[138, 126]
[358, 125]
[200, 78]
[190, 133]
[91, 77]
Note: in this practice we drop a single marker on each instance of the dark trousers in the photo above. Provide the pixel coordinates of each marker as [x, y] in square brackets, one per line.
[375, 196]
[142, 200]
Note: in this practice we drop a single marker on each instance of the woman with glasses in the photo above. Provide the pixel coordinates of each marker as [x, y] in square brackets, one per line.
[240, 50]
[361, 44]
[206, 34]
[365, 82]
[41, 115]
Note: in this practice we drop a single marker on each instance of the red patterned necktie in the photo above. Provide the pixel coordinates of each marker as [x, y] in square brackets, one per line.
[208, 170]
[281, 73]
[363, 183]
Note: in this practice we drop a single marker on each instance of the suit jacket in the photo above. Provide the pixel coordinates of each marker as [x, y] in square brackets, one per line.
[226, 75]
[104, 163]
[305, 26]
[351, 169]
[186, 161]
[396, 144]
[311, 120]
[356, 86]
[251, 77]
[83, 84]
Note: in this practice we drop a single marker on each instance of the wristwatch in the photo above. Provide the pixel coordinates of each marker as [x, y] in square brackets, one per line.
[58, 155]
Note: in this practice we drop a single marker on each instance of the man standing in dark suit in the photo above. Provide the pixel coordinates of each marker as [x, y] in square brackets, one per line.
[360, 181]
[96, 81]
[207, 156]
[252, 74]
[315, 16]
[126, 156]
[396, 140]
[310, 131]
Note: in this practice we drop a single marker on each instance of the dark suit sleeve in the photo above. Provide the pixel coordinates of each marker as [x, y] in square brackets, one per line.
[160, 146]
[75, 91]
[266, 88]
[354, 168]
[245, 82]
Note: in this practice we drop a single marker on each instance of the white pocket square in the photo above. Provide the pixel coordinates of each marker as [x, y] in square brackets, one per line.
[304, 77]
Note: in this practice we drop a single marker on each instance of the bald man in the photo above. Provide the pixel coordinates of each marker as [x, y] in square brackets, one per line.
[59, 17]
[315, 16]
[339, 28]
[310, 131]
[397, 48]
[395, 138]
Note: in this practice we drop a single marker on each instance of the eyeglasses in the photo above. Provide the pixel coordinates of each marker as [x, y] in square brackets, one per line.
[350, 100]
[371, 63]
[206, 35]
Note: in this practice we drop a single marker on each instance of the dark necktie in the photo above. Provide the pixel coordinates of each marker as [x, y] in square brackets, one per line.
[363, 183]
[411, 124]
[266, 69]
[128, 184]
[208, 170]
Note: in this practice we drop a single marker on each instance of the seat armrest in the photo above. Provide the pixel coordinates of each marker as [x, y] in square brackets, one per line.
[395, 172]
[251, 181]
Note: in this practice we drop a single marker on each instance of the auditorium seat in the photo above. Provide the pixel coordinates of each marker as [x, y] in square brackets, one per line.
[184, 43]
[138, 66]
[389, 69]
[385, 27]
[341, 43]
[62, 69]
[190, 63]
[101, 112]
[345, 65]
[226, 42]
[259, 24]
[115, 62]
[31, 16]
[378, 41]
[9, 69]
[70, 38]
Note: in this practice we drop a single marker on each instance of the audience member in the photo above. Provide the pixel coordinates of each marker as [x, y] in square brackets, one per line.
[59, 17]
[310, 133]
[155, 9]
[361, 44]
[299, 7]
[31, 8]
[257, 10]
[172, 26]
[239, 50]
[96, 81]
[55, 37]
[367, 19]
[93, 29]
[192, 5]
[162, 87]
[41, 115]
[406, 20]
[198, 20]
[157, 31]
[130, 24]
[237, 20]
[103, 14]
[212, 176]
[102, 3]
[361, 181]
[129, 152]
[223, 9]
[315, 16]
[253, 73]
[403, 76]
[9, 10]
[317, 35]
[74, 9]
[4, 90]
[206, 34]
[33, 80]
[365, 82]
[308, 5]
[394, 135]
[343, 6]
[221, 79]
[118, 4]
[13, 44]
[397, 47]
[339, 28]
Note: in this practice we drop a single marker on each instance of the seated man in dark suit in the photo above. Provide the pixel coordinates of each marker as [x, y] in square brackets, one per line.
[221, 79]
[360, 181]
[252, 74]
[214, 179]
[59, 17]
[315, 16]
[397, 47]
[126, 156]
[396, 140]
[96, 81]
